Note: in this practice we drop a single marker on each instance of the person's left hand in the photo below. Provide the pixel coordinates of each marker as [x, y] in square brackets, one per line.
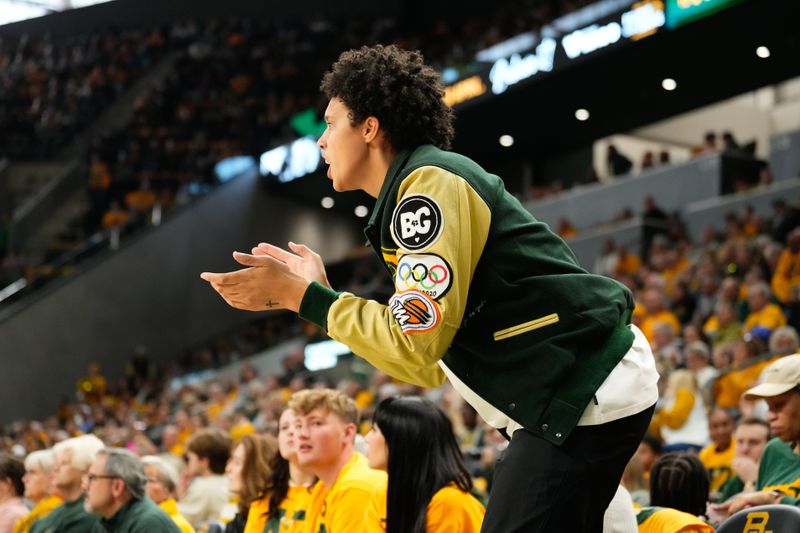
[267, 284]
[750, 499]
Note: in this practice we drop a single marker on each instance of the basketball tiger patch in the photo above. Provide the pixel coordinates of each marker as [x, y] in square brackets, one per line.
[414, 311]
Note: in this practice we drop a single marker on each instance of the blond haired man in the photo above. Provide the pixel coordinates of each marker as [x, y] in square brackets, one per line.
[325, 431]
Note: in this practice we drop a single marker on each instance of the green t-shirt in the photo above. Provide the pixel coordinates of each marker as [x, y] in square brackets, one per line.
[779, 469]
[69, 517]
[731, 488]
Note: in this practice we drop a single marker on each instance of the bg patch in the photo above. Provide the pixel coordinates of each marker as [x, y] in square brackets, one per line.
[416, 222]
[414, 311]
[427, 273]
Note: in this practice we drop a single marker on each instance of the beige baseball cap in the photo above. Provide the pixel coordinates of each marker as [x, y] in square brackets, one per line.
[781, 376]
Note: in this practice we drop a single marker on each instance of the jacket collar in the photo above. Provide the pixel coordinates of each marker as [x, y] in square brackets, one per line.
[392, 174]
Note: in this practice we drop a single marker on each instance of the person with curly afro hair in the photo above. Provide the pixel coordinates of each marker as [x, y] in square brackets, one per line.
[486, 297]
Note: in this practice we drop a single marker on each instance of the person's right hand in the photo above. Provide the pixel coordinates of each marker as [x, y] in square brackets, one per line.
[304, 262]
[746, 468]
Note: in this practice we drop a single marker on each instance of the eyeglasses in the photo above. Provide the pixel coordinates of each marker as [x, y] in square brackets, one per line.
[92, 477]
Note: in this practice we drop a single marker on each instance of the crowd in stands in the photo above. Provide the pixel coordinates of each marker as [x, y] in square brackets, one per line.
[239, 86]
[51, 90]
[287, 451]
[719, 315]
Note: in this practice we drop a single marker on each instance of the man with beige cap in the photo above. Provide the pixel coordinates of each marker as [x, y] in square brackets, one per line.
[779, 470]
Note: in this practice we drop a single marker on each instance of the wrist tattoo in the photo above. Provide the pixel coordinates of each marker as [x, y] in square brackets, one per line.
[270, 304]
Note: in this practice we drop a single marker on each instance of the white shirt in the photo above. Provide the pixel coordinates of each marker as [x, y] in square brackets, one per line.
[630, 388]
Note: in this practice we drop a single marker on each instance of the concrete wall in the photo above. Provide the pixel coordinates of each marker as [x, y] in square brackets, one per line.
[149, 292]
[673, 187]
[700, 215]
[784, 155]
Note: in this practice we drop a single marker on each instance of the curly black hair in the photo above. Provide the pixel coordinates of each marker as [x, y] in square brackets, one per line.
[397, 88]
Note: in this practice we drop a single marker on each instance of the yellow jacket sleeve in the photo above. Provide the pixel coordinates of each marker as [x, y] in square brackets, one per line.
[677, 415]
[407, 337]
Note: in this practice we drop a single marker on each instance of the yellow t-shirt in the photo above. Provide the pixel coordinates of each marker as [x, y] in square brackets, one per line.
[787, 276]
[291, 513]
[41, 509]
[666, 520]
[718, 465]
[170, 506]
[450, 510]
[771, 317]
[729, 387]
[340, 508]
[649, 323]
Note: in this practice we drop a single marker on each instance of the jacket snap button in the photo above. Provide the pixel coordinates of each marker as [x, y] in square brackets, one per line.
[558, 435]
[512, 405]
[544, 427]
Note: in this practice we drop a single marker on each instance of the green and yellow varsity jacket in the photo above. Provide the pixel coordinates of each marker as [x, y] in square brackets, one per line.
[487, 289]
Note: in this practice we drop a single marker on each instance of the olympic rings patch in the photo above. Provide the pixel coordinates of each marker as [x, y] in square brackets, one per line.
[426, 273]
[414, 312]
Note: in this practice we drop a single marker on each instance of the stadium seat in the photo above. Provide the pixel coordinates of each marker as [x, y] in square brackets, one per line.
[774, 518]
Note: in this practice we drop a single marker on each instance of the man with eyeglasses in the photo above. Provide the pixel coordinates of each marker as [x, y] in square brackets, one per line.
[115, 490]
[72, 460]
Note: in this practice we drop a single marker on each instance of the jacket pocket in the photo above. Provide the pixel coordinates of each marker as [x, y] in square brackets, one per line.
[525, 327]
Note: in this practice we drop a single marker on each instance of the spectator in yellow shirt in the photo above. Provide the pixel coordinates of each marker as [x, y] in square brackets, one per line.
[628, 262]
[655, 311]
[722, 327]
[763, 314]
[325, 431]
[786, 280]
[717, 457]
[682, 421]
[428, 489]
[161, 487]
[248, 472]
[283, 506]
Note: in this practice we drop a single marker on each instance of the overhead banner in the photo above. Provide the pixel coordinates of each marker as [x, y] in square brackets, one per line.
[560, 45]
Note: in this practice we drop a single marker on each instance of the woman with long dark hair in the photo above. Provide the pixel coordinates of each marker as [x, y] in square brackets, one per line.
[286, 495]
[429, 486]
[248, 470]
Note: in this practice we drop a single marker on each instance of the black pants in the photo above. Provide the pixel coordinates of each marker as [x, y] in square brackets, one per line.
[541, 487]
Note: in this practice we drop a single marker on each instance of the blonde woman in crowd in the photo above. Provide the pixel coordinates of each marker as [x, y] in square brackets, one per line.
[681, 421]
[162, 484]
[38, 488]
[286, 496]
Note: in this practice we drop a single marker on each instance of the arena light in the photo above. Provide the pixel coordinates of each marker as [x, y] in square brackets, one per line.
[506, 140]
[327, 202]
[668, 84]
[582, 114]
[361, 211]
[762, 52]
